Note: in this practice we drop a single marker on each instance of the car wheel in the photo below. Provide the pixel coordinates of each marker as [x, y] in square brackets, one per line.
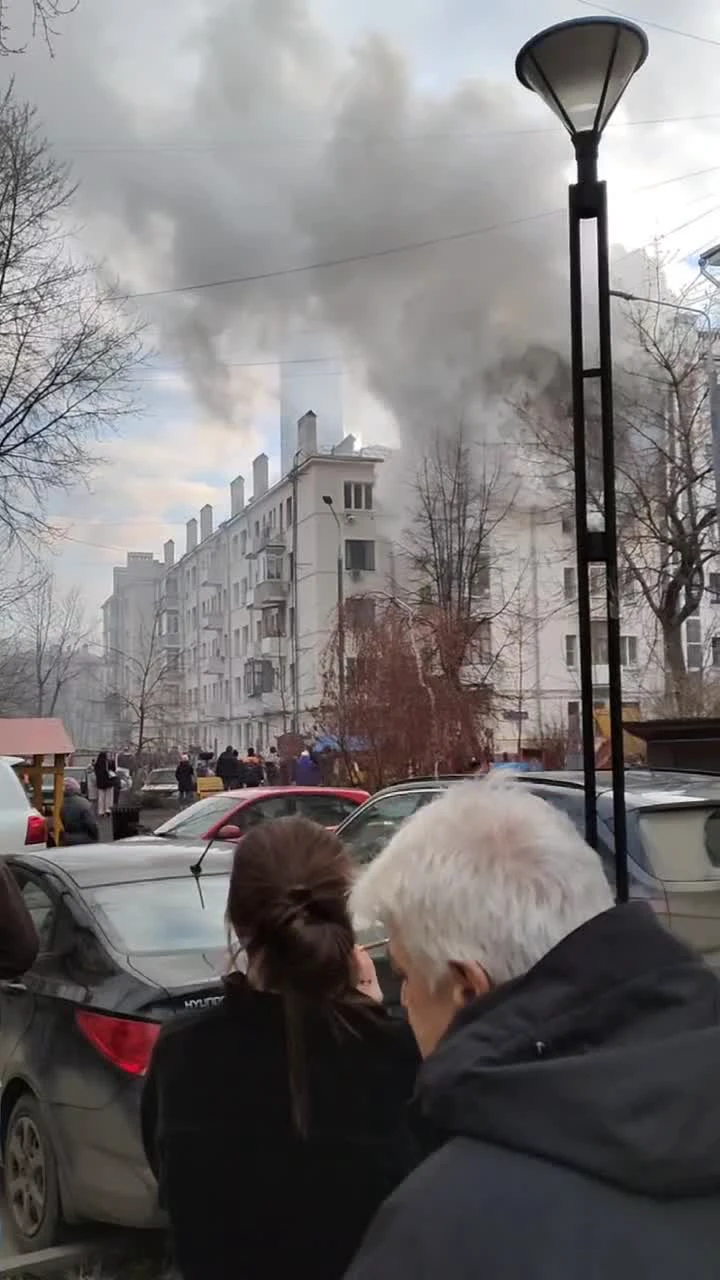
[32, 1190]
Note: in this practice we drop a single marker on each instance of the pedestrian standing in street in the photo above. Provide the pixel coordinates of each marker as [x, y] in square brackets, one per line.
[79, 824]
[307, 770]
[185, 775]
[272, 768]
[225, 767]
[254, 776]
[572, 1056]
[292, 1091]
[104, 783]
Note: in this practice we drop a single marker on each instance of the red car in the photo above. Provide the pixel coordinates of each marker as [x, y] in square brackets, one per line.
[227, 815]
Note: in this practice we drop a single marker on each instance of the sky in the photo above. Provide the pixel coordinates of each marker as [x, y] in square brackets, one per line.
[217, 139]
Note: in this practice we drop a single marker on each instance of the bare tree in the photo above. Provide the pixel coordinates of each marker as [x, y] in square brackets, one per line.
[459, 498]
[143, 694]
[667, 520]
[43, 16]
[67, 354]
[40, 649]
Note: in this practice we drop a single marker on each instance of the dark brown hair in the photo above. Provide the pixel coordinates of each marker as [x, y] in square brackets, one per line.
[288, 908]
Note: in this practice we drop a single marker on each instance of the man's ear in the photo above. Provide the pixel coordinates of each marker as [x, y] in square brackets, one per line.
[469, 982]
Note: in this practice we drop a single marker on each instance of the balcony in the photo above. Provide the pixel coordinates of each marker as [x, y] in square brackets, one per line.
[171, 641]
[267, 540]
[214, 666]
[271, 647]
[272, 591]
[214, 621]
[215, 711]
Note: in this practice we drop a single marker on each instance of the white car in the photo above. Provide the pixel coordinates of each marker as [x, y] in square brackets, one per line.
[21, 826]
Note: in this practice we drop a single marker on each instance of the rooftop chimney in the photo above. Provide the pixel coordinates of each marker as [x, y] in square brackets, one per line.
[190, 535]
[307, 434]
[206, 522]
[169, 554]
[237, 495]
[260, 475]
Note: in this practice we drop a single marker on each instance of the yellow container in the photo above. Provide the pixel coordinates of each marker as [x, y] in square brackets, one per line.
[206, 786]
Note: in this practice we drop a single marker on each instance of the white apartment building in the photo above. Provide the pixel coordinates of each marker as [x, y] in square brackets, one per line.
[251, 605]
[535, 670]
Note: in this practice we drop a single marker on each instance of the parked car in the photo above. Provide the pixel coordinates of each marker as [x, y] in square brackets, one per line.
[159, 788]
[229, 814]
[673, 826]
[21, 826]
[79, 772]
[128, 938]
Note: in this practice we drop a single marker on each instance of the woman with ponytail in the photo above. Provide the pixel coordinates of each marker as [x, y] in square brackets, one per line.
[275, 1121]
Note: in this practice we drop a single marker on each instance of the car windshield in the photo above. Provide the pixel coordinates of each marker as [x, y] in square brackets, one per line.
[160, 777]
[682, 843]
[163, 915]
[195, 821]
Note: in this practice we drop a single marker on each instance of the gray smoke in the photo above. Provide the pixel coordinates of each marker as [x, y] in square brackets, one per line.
[318, 154]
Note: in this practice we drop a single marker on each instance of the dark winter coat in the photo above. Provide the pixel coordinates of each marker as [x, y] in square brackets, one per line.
[248, 1197]
[575, 1116]
[253, 771]
[226, 768]
[78, 821]
[185, 775]
[103, 776]
[18, 938]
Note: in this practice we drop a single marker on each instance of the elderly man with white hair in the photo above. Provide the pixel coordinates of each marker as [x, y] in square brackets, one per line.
[570, 1095]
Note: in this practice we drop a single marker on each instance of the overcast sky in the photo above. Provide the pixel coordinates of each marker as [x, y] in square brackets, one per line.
[255, 137]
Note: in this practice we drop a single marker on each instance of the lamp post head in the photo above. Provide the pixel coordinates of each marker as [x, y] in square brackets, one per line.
[327, 500]
[709, 264]
[582, 68]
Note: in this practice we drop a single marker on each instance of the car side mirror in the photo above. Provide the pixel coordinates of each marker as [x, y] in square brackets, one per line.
[229, 833]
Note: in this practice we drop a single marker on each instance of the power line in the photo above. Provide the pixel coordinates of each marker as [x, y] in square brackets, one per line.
[359, 139]
[647, 22]
[355, 258]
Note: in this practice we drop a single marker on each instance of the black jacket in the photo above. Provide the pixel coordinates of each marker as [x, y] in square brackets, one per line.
[248, 1197]
[226, 768]
[575, 1116]
[185, 775]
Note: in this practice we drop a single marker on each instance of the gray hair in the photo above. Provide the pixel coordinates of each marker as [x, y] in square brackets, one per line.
[488, 874]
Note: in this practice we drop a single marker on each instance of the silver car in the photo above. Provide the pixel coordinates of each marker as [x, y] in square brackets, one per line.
[673, 824]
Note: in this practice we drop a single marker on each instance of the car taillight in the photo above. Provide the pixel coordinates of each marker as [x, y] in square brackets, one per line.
[128, 1045]
[36, 831]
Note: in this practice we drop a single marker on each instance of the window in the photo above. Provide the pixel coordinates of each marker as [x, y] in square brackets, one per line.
[358, 497]
[245, 640]
[244, 591]
[569, 584]
[714, 587]
[273, 621]
[162, 915]
[366, 836]
[693, 644]
[359, 612]
[628, 651]
[359, 555]
[238, 688]
[716, 651]
[259, 678]
[235, 547]
[327, 811]
[43, 912]
[598, 641]
[288, 512]
[597, 579]
[481, 577]
[258, 629]
[567, 524]
[236, 595]
[274, 567]
[253, 815]
[236, 643]
[243, 542]
[571, 651]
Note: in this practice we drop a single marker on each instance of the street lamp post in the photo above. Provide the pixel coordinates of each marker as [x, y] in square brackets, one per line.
[581, 69]
[327, 499]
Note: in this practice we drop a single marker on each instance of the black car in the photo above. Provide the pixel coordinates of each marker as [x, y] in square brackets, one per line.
[128, 937]
[673, 826]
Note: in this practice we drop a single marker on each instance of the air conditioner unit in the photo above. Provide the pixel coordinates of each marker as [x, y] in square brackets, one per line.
[356, 575]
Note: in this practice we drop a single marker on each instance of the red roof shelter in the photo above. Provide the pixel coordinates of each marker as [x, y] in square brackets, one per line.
[34, 740]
